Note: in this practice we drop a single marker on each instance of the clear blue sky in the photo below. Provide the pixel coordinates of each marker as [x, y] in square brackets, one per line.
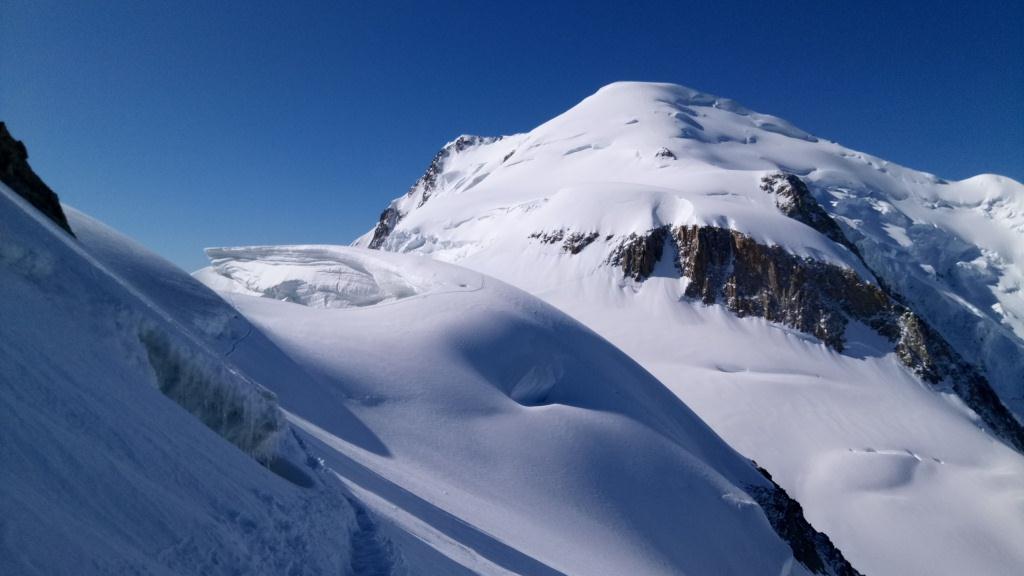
[190, 124]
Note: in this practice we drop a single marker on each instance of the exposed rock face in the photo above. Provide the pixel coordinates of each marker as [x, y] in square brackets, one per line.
[811, 548]
[794, 200]
[638, 254]
[388, 220]
[922, 348]
[751, 279]
[577, 241]
[426, 185]
[552, 237]
[726, 267]
[428, 182]
[572, 243]
[16, 173]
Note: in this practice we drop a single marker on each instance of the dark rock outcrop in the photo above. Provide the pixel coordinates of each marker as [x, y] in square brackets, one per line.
[428, 182]
[16, 173]
[388, 219]
[922, 348]
[794, 200]
[637, 255]
[552, 237]
[425, 185]
[811, 548]
[577, 241]
[751, 279]
[726, 267]
[665, 154]
[572, 243]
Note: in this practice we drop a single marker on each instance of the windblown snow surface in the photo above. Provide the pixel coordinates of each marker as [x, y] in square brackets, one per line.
[386, 414]
[116, 433]
[494, 427]
[904, 479]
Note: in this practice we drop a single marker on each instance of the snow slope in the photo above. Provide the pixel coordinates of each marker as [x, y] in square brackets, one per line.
[366, 547]
[439, 421]
[501, 425]
[101, 471]
[455, 424]
[635, 155]
[902, 477]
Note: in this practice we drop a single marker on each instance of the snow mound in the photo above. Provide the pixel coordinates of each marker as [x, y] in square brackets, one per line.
[502, 425]
[324, 276]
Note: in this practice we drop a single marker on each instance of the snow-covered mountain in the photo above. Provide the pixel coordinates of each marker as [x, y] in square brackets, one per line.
[367, 413]
[501, 424]
[659, 334]
[855, 326]
[635, 156]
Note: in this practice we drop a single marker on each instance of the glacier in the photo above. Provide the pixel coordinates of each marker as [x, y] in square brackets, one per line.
[661, 333]
[455, 426]
[902, 475]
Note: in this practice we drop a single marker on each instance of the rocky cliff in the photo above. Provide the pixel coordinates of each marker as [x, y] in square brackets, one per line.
[811, 548]
[421, 191]
[16, 173]
[726, 267]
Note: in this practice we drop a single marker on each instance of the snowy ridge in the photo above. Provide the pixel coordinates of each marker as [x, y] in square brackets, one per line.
[421, 191]
[102, 473]
[481, 464]
[571, 211]
[324, 276]
[518, 429]
[653, 291]
[955, 251]
[953, 248]
[185, 370]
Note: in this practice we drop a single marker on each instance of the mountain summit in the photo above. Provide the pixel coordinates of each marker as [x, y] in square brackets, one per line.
[636, 156]
[855, 326]
[337, 410]
[679, 337]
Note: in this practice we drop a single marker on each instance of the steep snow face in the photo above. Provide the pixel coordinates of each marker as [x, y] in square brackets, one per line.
[167, 287]
[476, 465]
[362, 544]
[604, 170]
[902, 477]
[635, 156]
[956, 252]
[103, 468]
[497, 424]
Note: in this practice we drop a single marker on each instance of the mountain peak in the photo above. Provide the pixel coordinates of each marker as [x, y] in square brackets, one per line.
[625, 91]
[793, 291]
[682, 109]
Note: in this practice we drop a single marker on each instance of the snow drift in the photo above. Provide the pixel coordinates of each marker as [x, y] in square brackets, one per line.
[550, 450]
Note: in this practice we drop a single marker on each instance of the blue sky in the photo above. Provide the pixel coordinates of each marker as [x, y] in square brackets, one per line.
[190, 124]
